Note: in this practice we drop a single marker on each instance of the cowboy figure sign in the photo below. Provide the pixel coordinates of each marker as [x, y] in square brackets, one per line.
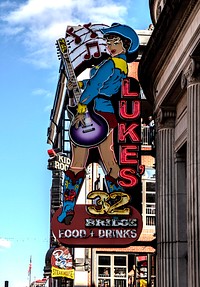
[95, 124]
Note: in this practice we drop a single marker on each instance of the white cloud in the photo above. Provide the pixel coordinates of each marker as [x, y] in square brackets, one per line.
[4, 243]
[37, 24]
[44, 93]
[48, 108]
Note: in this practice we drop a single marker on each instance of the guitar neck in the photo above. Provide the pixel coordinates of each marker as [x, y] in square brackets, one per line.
[62, 46]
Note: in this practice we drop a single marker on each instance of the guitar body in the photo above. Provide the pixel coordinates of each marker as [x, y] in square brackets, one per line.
[93, 133]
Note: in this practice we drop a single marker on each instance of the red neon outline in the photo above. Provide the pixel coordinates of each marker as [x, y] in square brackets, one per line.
[128, 174]
[127, 156]
[135, 108]
[123, 131]
[126, 89]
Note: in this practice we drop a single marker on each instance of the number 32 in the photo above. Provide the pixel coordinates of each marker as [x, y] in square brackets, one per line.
[103, 203]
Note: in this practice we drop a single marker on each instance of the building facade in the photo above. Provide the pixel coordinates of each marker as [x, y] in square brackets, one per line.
[169, 73]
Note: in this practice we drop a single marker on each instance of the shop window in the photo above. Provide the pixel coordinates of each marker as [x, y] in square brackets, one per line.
[112, 271]
[120, 261]
[141, 271]
[104, 260]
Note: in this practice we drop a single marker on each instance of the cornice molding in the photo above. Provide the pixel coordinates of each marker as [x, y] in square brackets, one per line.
[162, 41]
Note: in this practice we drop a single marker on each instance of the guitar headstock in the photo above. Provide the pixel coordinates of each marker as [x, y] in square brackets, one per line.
[61, 48]
[63, 54]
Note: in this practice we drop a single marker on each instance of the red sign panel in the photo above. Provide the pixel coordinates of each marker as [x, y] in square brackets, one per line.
[90, 230]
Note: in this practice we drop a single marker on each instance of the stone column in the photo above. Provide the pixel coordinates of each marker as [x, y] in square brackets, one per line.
[166, 209]
[191, 78]
[181, 218]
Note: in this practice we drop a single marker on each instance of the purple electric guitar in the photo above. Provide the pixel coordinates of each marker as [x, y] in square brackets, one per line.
[95, 129]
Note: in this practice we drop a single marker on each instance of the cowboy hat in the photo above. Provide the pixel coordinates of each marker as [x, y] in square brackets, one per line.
[126, 32]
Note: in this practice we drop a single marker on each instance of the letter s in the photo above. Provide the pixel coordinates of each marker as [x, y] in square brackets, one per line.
[128, 174]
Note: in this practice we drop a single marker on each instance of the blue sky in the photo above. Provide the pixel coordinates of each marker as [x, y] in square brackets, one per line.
[29, 73]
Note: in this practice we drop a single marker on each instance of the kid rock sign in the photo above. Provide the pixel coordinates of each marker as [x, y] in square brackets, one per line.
[105, 128]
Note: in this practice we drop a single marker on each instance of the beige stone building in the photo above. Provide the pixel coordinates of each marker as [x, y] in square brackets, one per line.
[169, 73]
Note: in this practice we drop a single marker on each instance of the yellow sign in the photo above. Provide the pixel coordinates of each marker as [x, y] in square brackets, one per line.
[57, 272]
[143, 283]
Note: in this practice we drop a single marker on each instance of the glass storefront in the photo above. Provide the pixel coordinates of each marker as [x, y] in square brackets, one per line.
[131, 270]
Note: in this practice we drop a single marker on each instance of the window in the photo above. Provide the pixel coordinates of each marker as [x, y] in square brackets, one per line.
[141, 270]
[148, 202]
[112, 270]
[104, 260]
[150, 185]
[65, 134]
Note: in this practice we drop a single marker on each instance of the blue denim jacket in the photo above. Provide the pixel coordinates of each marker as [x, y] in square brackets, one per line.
[106, 80]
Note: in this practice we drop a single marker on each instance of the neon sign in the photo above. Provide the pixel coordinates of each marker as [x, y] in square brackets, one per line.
[110, 126]
[96, 225]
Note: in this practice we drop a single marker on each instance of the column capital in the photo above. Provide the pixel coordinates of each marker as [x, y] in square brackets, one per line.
[166, 117]
[191, 74]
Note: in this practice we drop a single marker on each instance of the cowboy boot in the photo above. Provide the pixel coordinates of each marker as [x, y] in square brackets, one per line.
[71, 189]
[112, 184]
